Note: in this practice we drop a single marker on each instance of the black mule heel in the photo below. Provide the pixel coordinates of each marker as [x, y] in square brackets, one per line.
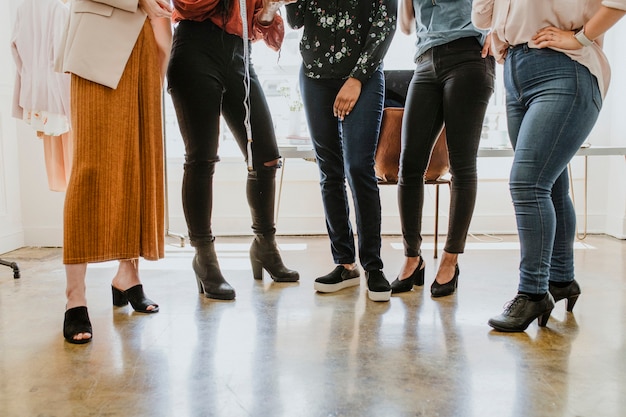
[77, 321]
[136, 297]
[570, 292]
[406, 284]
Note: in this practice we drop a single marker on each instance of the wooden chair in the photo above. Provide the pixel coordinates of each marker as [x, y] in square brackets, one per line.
[388, 158]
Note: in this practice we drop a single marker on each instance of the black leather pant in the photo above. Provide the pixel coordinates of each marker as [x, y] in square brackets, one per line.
[452, 84]
[205, 79]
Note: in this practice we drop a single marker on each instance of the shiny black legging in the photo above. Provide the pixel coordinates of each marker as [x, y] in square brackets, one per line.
[205, 79]
[452, 84]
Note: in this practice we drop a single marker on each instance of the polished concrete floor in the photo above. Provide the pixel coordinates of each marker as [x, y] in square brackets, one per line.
[283, 350]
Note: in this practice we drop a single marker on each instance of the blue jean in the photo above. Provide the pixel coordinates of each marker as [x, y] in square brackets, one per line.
[552, 104]
[452, 84]
[346, 150]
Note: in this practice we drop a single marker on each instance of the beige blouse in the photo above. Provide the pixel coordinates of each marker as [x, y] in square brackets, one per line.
[514, 22]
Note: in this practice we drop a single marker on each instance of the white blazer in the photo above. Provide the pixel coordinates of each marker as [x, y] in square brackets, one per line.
[100, 38]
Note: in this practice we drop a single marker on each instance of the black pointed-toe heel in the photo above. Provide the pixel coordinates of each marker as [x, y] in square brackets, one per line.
[136, 297]
[406, 284]
[570, 292]
[441, 290]
[77, 321]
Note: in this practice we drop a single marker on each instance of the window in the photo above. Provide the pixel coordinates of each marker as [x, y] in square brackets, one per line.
[278, 74]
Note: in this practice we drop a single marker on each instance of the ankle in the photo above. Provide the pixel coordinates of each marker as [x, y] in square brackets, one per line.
[76, 302]
[449, 259]
[411, 263]
[533, 297]
[561, 284]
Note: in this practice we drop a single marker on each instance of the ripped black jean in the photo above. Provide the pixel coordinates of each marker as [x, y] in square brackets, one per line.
[205, 79]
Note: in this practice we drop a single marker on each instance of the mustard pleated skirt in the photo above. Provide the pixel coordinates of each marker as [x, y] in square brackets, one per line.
[114, 205]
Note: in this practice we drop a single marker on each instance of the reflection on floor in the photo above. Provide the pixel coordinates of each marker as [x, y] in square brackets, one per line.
[283, 350]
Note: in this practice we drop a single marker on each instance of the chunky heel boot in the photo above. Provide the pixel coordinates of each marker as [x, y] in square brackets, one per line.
[570, 292]
[210, 280]
[264, 254]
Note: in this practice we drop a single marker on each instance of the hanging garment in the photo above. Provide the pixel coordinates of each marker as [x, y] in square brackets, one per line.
[41, 96]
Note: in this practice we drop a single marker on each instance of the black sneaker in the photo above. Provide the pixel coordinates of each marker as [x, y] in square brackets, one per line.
[378, 288]
[338, 279]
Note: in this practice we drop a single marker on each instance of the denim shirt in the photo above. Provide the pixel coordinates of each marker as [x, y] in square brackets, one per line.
[343, 38]
[438, 22]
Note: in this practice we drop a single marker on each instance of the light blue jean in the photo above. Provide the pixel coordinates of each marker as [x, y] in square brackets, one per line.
[552, 104]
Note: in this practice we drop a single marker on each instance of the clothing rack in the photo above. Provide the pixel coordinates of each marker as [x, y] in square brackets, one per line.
[16, 269]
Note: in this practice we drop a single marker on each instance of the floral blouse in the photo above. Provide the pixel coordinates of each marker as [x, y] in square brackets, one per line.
[343, 38]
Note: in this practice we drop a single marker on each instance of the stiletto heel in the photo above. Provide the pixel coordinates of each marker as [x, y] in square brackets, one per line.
[406, 284]
[136, 297]
[570, 292]
[570, 302]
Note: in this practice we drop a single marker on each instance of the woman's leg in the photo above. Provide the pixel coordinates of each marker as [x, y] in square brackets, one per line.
[195, 82]
[198, 63]
[126, 287]
[563, 102]
[552, 105]
[318, 97]
[76, 324]
[468, 83]
[261, 181]
[359, 138]
[421, 125]
[562, 262]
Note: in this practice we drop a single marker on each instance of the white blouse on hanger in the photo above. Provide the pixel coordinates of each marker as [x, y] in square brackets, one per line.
[41, 95]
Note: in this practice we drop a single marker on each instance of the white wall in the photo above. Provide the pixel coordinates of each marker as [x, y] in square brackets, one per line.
[11, 223]
[31, 215]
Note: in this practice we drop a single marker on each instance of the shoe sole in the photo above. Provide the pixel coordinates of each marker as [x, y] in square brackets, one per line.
[328, 288]
[224, 297]
[379, 295]
[523, 328]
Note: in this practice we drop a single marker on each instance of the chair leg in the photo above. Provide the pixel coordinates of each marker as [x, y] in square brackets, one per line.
[13, 265]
